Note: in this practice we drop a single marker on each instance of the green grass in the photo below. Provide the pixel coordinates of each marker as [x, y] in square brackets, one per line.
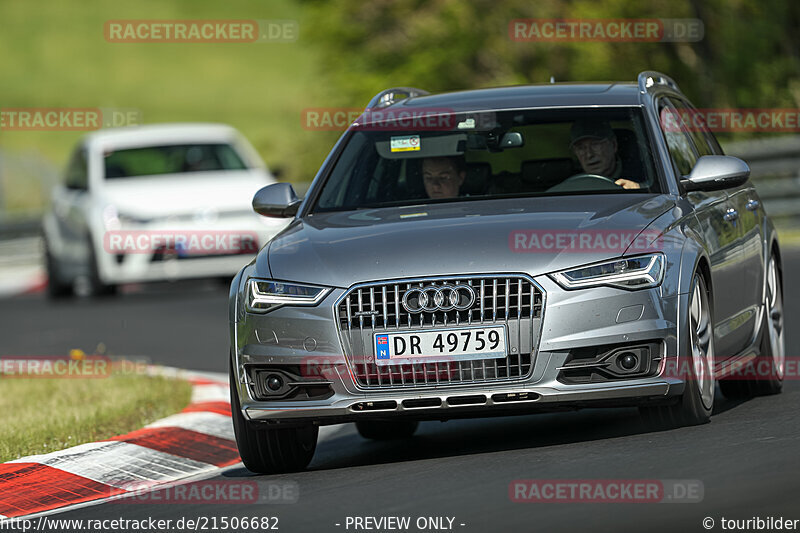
[44, 415]
[55, 55]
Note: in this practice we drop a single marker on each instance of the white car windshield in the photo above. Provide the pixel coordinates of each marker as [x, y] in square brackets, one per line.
[171, 159]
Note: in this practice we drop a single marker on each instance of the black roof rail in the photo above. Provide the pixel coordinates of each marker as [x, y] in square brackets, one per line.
[648, 78]
[393, 95]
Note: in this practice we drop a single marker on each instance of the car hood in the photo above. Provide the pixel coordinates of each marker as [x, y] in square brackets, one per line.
[182, 194]
[342, 248]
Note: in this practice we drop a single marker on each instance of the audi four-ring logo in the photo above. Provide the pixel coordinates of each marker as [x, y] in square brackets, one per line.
[439, 298]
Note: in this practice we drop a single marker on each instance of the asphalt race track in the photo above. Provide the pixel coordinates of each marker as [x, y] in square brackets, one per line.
[747, 459]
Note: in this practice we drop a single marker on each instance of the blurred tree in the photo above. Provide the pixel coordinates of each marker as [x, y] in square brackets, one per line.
[749, 56]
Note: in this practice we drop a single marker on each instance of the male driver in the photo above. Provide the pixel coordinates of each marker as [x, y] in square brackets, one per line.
[595, 145]
[442, 176]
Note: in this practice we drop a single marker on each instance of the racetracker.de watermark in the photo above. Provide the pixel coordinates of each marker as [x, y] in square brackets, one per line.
[759, 369]
[228, 492]
[55, 367]
[585, 241]
[201, 31]
[67, 118]
[180, 242]
[74, 366]
[606, 30]
[606, 491]
[416, 119]
[753, 120]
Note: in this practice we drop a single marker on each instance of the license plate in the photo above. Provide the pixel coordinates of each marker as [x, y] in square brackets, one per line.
[441, 345]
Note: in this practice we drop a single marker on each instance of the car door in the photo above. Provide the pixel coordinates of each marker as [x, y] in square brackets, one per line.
[751, 217]
[719, 228]
[748, 218]
[748, 208]
[70, 206]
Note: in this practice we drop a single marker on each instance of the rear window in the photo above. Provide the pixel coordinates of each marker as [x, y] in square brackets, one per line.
[494, 155]
[171, 159]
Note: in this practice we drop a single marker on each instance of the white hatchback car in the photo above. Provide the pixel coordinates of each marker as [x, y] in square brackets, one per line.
[158, 202]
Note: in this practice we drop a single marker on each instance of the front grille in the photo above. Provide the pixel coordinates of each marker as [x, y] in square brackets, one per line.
[513, 301]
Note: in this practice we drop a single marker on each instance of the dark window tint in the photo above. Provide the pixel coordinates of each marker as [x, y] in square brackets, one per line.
[77, 175]
[701, 133]
[172, 159]
[679, 143]
[695, 124]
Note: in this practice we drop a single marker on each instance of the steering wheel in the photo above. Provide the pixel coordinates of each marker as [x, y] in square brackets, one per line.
[577, 177]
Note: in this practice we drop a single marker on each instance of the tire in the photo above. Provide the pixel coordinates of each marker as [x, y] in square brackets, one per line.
[770, 364]
[271, 450]
[697, 401]
[96, 286]
[56, 288]
[387, 429]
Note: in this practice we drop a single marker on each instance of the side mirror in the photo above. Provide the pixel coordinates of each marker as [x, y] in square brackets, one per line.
[277, 200]
[714, 172]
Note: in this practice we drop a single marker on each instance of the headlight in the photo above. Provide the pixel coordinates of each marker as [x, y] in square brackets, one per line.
[641, 272]
[111, 218]
[264, 295]
[115, 220]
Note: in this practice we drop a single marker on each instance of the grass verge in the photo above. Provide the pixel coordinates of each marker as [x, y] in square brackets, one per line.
[60, 58]
[44, 415]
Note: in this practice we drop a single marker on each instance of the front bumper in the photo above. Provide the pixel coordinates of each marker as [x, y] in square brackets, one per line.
[117, 267]
[471, 402]
[308, 337]
[141, 268]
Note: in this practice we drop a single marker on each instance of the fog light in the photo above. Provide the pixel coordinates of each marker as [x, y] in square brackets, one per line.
[274, 382]
[628, 361]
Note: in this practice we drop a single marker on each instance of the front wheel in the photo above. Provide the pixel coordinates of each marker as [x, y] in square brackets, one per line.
[697, 369]
[271, 450]
[56, 287]
[96, 285]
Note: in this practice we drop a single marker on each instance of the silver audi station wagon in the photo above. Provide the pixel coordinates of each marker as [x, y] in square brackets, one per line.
[504, 251]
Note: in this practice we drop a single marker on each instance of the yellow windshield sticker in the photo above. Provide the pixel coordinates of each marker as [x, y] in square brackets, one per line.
[405, 143]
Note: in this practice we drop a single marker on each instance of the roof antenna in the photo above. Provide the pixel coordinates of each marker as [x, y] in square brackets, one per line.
[552, 79]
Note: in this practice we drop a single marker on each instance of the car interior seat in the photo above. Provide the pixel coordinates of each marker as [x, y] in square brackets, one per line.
[115, 171]
[476, 181]
[415, 187]
[628, 152]
[541, 174]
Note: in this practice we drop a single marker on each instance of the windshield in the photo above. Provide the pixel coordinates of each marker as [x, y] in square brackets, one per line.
[171, 159]
[493, 155]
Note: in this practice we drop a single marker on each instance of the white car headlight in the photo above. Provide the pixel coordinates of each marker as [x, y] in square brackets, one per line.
[110, 218]
[115, 220]
[265, 295]
[640, 272]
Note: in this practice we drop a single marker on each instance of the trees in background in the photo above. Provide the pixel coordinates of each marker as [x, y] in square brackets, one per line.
[749, 56]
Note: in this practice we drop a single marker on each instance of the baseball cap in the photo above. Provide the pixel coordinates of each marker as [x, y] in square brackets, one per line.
[594, 129]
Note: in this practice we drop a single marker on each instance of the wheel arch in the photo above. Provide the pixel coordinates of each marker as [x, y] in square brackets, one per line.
[703, 266]
[774, 248]
[695, 257]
